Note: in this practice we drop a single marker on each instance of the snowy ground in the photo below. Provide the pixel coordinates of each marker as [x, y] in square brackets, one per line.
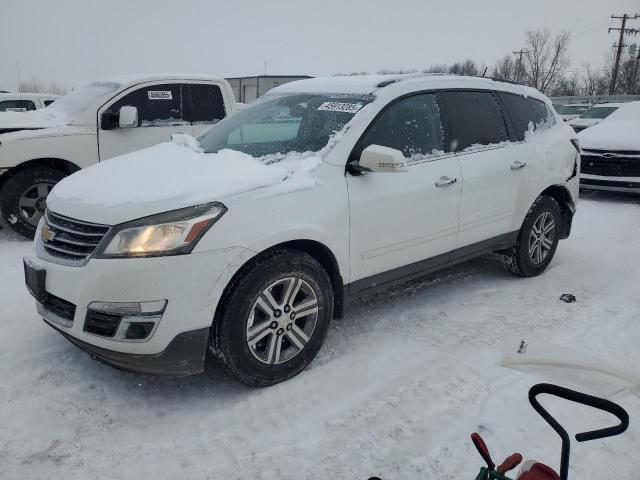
[395, 392]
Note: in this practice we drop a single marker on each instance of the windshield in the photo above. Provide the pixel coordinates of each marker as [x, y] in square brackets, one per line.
[598, 112]
[284, 123]
[571, 109]
[89, 97]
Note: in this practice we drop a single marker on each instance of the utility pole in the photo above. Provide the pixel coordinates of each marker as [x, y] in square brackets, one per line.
[623, 31]
[519, 53]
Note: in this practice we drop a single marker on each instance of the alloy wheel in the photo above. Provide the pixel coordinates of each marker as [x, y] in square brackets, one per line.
[541, 238]
[32, 202]
[282, 320]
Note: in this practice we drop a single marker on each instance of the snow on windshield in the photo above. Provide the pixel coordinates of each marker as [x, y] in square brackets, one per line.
[83, 99]
[64, 110]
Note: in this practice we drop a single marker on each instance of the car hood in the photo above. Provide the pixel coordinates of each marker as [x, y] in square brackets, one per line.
[28, 133]
[584, 122]
[169, 176]
[612, 135]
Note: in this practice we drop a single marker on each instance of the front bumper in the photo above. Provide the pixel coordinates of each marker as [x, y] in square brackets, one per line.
[184, 355]
[612, 184]
[192, 285]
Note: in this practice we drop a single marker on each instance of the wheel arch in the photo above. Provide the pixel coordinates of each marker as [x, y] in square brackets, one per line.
[61, 164]
[315, 249]
[561, 194]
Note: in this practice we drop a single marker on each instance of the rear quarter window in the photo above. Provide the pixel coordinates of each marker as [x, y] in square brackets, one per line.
[206, 103]
[17, 106]
[525, 111]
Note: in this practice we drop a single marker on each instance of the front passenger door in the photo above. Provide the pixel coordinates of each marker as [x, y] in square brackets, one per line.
[403, 223]
[160, 114]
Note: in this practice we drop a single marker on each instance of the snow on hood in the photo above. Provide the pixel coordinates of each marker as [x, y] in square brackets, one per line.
[42, 118]
[619, 131]
[173, 175]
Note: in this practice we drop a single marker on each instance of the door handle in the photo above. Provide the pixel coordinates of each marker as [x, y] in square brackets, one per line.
[446, 181]
[517, 165]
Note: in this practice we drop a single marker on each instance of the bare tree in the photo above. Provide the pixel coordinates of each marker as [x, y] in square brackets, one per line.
[504, 69]
[547, 58]
[627, 83]
[36, 86]
[436, 68]
[467, 67]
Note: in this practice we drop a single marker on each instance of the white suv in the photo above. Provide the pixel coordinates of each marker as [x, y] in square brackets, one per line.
[247, 243]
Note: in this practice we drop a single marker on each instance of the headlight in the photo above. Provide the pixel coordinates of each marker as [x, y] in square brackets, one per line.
[172, 233]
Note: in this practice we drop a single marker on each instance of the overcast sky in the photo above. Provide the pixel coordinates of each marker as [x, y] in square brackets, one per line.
[72, 42]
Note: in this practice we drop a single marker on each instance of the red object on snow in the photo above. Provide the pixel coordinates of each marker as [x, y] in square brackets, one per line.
[539, 471]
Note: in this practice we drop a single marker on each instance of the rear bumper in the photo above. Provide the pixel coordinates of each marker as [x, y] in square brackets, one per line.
[185, 355]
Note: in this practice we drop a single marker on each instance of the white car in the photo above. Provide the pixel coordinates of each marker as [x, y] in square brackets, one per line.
[572, 111]
[249, 241]
[94, 123]
[593, 116]
[611, 152]
[24, 102]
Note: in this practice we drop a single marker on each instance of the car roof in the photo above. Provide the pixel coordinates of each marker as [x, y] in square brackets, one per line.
[150, 77]
[368, 84]
[612, 104]
[25, 95]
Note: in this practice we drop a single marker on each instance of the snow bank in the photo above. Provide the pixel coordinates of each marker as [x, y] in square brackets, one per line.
[619, 131]
[175, 174]
[42, 118]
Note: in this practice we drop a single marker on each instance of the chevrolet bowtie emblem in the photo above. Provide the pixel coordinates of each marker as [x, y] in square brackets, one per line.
[47, 234]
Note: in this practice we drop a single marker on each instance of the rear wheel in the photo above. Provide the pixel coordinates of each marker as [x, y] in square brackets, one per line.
[23, 198]
[537, 240]
[274, 318]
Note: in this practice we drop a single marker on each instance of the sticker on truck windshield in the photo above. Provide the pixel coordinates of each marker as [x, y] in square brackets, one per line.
[16, 109]
[340, 107]
[159, 95]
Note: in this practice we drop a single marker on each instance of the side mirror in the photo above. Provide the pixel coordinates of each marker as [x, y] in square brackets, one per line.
[128, 117]
[376, 158]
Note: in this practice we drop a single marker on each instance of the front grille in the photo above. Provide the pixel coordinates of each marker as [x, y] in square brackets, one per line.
[100, 323]
[60, 307]
[72, 240]
[611, 163]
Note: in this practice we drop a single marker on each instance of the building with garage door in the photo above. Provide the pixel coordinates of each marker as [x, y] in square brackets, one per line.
[247, 89]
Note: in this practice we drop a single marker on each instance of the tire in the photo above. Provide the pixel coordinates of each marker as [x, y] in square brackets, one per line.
[248, 315]
[533, 251]
[22, 199]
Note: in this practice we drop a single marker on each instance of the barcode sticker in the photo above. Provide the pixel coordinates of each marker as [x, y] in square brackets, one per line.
[159, 95]
[340, 107]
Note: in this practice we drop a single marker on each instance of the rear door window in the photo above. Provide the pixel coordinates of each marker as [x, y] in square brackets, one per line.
[206, 104]
[526, 113]
[17, 106]
[411, 125]
[158, 105]
[476, 119]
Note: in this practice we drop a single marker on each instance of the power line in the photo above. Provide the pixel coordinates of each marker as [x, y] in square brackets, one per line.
[623, 31]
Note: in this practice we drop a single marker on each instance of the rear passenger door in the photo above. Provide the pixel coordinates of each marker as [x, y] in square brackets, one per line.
[402, 223]
[205, 106]
[494, 174]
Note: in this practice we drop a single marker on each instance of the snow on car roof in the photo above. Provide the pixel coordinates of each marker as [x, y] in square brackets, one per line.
[148, 77]
[366, 84]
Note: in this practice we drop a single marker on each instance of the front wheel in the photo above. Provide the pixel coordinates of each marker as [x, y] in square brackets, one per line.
[274, 318]
[537, 240]
[23, 198]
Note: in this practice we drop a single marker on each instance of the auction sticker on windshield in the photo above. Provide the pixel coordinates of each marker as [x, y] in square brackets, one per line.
[160, 95]
[340, 107]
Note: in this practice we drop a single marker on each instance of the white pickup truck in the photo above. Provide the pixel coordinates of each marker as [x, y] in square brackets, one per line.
[24, 102]
[92, 124]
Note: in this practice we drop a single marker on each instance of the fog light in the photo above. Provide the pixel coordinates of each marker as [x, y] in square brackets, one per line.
[139, 330]
[126, 321]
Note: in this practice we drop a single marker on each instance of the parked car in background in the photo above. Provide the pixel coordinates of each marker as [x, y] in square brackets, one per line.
[611, 151]
[93, 124]
[248, 242]
[593, 116]
[24, 102]
[574, 110]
